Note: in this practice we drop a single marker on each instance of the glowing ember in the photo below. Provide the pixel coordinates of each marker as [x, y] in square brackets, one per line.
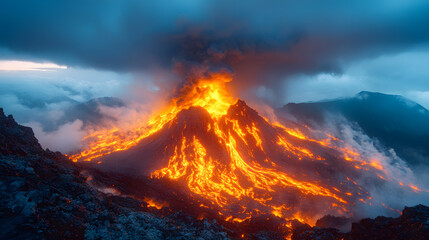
[155, 204]
[415, 188]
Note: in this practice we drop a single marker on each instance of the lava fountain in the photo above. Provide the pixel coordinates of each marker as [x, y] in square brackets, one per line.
[241, 164]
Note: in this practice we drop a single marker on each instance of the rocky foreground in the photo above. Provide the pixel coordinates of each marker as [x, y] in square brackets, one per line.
[412, 224]
[43, 195]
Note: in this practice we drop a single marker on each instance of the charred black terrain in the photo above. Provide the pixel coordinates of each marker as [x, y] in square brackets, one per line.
[412, 224]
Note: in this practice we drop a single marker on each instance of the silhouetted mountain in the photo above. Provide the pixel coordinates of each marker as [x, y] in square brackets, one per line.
[89, 112]
[395, 121]
[16, 139]
[34, 102]
[412, 224]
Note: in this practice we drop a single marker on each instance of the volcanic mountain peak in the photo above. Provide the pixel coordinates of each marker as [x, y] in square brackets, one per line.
[208, 92]
[42, 190]
[245, 114]
[192, 116]
[238, 159]
[222, 152]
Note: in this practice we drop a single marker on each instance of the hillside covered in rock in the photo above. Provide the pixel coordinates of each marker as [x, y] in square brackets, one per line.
[43, 195]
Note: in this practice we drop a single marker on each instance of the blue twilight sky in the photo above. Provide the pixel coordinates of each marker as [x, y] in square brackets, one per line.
[279, 51]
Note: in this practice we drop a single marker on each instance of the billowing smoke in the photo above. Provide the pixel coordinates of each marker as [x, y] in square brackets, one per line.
[263, 44]
[393, 188]
[163, 44]
[65, 139]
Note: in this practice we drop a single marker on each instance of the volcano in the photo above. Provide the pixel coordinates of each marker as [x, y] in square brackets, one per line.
[46, 196]
[238, 163]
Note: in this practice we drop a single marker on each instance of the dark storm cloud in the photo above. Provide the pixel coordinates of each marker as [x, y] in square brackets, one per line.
[256, 40]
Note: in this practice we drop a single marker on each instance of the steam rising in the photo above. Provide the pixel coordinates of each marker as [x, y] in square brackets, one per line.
[67, 138]
[396, 189]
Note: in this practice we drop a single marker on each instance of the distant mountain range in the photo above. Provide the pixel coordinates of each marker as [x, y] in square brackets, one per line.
[395, 121]
[89, 112]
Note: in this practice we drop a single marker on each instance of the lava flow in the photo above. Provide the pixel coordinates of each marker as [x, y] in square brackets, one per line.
[237, 161]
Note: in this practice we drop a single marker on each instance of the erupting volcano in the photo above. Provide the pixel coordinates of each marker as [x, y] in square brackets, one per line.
[214, 120]
[239, 163]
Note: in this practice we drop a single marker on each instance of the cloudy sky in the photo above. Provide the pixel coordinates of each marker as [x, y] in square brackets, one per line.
[57, 53]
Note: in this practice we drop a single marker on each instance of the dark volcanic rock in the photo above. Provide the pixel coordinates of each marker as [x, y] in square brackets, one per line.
[16, 139]
[330, 221]
[43, 195]
[317, 233]
[412, 224]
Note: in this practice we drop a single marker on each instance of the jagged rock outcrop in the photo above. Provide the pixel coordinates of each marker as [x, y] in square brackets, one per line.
[43, 195]
[329, 221]
[412, 224]
[16, 139]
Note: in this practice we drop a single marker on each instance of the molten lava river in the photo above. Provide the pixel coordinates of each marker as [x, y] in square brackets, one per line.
[240, 164]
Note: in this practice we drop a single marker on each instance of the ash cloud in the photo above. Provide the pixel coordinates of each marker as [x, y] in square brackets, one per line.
[263, 44]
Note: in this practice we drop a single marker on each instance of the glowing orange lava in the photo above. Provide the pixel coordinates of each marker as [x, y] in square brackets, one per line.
[155, 204]
[209, 93]
[256, 167]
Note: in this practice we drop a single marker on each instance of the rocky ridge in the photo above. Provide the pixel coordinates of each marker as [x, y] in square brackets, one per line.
[43, 195]
[412, 224]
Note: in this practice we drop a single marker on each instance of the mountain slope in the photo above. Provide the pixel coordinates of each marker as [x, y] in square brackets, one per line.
[221, 151]
[43, 195]
[397, 122]
[244, 166]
